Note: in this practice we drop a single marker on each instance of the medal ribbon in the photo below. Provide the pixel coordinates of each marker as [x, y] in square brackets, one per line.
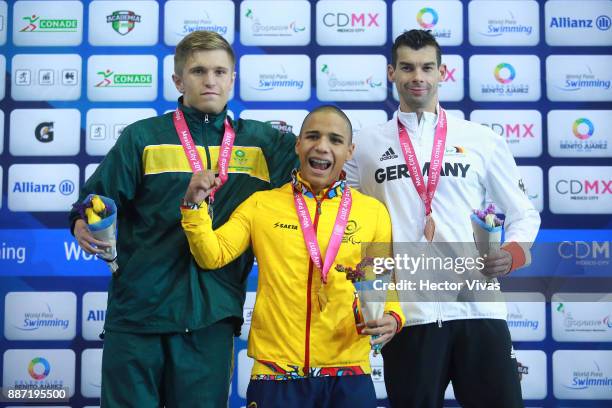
[435, 163]
[191, 151]
[310, 236]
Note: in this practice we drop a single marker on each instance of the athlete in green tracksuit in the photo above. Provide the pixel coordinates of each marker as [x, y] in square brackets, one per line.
[169, 327]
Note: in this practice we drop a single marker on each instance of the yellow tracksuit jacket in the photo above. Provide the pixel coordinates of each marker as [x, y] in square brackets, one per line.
[290, 335]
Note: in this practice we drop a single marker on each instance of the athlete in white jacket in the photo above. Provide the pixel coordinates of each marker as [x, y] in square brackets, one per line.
[466, 342]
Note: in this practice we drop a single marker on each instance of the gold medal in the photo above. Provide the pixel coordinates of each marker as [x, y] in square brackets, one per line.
[322, 298]
[430, 228]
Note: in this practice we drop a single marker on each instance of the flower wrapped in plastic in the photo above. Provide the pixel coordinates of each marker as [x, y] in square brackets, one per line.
[368, 303]
[487, 229]
[100, 213]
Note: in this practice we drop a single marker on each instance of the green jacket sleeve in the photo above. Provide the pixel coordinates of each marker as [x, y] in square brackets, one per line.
[119, 174]
[281, 157]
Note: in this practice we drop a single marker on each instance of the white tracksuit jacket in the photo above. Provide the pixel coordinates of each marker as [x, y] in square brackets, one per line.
[477, 164]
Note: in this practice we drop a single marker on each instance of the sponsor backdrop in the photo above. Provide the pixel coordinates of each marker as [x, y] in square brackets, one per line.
[73, 74]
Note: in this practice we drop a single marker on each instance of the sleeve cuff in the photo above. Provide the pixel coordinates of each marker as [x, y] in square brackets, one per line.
[195, 215]
[520, 256]
[398, 320]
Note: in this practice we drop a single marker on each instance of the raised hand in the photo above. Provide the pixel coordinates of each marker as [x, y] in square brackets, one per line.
[201, 185]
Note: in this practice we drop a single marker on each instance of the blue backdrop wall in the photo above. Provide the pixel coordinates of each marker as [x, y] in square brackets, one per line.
[76, 72]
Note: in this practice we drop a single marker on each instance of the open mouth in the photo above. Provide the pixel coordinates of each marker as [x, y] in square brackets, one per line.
[319, 164]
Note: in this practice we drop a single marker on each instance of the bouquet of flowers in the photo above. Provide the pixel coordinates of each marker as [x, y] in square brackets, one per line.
[487, 229]
[368, 304]
[100, 213]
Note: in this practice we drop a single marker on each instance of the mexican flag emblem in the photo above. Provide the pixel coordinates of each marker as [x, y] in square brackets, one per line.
[123, 21]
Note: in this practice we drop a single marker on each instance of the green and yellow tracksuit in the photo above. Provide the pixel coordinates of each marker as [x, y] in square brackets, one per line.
[159, 288]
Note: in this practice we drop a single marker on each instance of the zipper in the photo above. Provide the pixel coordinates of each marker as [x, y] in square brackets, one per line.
[438, 312]
[423, 157]
[206, 122]
[211, 210]
[309, 296]
[308, 316]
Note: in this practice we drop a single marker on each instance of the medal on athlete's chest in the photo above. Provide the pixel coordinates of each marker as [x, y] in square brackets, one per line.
[193, 157]
[430, 228]
[322, 297]
[312, 245]
[425, 190]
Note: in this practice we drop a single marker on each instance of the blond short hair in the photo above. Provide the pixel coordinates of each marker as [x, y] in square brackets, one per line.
[199, 41]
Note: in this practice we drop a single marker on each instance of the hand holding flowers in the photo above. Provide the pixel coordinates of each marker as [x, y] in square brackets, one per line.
[95, 231]
[367, 305]
[487, 229]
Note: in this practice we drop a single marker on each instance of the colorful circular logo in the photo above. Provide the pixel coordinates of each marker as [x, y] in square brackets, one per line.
[428, 22]
[583, 128]
[240, 153]
[39, 368]
[504, 73]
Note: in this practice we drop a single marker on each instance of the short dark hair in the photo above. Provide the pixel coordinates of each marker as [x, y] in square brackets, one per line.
[416, 39]
[333, 109]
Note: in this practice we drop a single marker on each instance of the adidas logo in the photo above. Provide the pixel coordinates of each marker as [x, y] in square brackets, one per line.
[388, 155]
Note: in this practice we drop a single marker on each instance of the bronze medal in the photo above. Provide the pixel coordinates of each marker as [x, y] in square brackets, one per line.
[430, 228]
[425, 189]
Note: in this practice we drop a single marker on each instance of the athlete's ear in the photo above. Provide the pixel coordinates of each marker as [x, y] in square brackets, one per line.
[351, 150]
[178, 83]
[442, 69]
[390, 73]
[298, 139]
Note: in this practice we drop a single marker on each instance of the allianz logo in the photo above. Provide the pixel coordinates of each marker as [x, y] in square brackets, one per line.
[64, 187]
[96, 315]
[602, 22]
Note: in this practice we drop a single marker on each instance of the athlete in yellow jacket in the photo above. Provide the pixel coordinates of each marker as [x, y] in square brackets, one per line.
[302, 329]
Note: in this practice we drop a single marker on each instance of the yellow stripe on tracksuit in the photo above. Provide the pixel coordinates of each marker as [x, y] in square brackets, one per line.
[166, 158]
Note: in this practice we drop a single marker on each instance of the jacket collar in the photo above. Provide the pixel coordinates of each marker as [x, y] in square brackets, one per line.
[199, 117]
[334, 190]
[411, 121]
